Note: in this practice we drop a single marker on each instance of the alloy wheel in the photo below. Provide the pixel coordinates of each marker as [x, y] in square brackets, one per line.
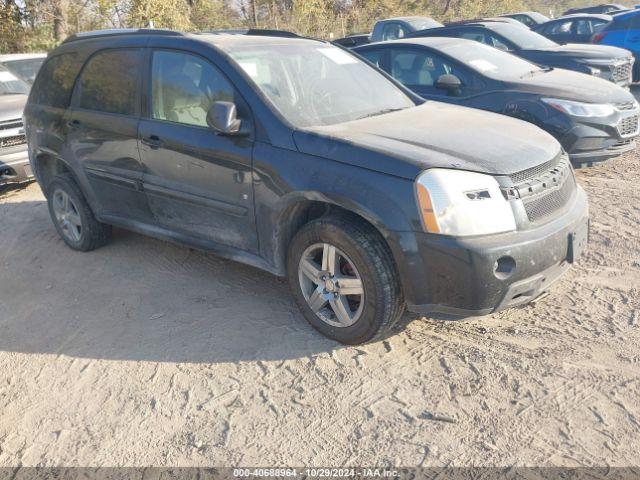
[331, 285]
[67, 215]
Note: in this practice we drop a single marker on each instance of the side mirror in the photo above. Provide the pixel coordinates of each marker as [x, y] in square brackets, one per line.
[450, 83]
[222, 117]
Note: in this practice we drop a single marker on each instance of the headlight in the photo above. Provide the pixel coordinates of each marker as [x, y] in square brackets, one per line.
[459, 203]
[579, 109]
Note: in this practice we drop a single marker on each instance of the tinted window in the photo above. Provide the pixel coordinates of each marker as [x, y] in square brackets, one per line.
[185, 86]
[521, 37]
[109, 82]
[487, 38]
[374, 56]
[525, 20]
[421, 68]
[392, 31]
[55, 82]
[559, 27]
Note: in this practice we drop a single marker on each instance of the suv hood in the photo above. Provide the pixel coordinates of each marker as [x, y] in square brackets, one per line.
[431, 135]
[570, 85]
[12, 106]
[585, 52]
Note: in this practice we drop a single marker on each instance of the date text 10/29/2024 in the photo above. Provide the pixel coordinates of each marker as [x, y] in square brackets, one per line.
[315, 472]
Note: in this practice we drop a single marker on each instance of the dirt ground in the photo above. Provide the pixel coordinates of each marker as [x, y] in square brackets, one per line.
[146, 353]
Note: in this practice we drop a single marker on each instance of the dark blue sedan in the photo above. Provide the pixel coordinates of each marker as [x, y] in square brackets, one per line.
[593, 119]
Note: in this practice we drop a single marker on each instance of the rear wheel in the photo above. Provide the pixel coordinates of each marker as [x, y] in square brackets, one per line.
[341, 275]
[73, 217]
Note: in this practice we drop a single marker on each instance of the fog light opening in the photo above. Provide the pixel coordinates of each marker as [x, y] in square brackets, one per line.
[504, 268]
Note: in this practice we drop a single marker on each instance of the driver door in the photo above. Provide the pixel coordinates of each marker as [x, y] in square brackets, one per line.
[198, 182]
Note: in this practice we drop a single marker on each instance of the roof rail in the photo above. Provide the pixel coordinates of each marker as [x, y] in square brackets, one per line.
[254, 31]
[121, 31]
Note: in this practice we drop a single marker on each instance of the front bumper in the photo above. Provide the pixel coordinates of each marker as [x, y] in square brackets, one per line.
[14, 165]
[596, 140]
[456, 277]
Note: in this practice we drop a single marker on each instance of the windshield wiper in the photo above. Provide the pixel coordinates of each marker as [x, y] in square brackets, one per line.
[381, 112]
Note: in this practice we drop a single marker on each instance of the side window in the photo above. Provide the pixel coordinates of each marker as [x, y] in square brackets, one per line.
[560, 27]
[374, 56]
[184, 86]
[392, 31]
[421, 68]
[486, 38]
[109, 82]
[526, 20]
[54, 84]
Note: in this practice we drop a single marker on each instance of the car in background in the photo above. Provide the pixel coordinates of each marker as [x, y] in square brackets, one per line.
[24, 65]
[623, 31]
[510, 21]
[354, 40]
[400, 27]
[530, 19]
[593, 119]
[576, 28]
[614, 64]
[298, 157]
[14, 158]
[606, 8]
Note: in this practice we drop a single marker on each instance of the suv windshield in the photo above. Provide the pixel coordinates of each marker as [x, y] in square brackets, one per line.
[523, 38]
[490, 61]
[314, 84]
[10, 84]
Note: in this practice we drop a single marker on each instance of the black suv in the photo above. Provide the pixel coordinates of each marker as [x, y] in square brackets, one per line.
[299, 158]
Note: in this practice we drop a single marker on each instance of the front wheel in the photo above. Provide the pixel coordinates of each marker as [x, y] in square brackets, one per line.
[343, 279]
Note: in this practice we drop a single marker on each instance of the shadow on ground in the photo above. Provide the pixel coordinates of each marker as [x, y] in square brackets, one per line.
[139, 299]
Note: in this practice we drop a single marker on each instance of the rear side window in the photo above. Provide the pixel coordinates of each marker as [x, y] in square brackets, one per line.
[109, 82]
[55, 82]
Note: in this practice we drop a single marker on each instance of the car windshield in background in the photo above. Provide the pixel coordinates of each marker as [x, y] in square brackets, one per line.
[491, 62]
[10, 84]
[524, 38]
[423, 23]
[538, 17]
[26, 69]
[314, 84]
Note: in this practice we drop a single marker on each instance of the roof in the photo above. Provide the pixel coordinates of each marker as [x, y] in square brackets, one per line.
[20, 56]
[599, 16]
[407, 19]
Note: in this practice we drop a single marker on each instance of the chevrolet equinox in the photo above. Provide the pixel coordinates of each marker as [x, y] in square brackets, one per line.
[297, 157]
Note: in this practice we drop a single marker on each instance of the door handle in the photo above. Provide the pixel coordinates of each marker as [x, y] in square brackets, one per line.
[73, 123]
[152, 141]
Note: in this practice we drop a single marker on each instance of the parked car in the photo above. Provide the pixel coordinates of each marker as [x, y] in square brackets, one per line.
[624, 32]
[354, 40]
[593, 119]
[14, 160]
[530, 19]
[393, 28]
[577, 28]
[297, 157]
[610, 63]
[606, 8]
[24, 65]
[510, 21]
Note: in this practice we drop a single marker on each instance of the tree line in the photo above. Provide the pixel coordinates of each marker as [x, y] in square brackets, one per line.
[38, 25]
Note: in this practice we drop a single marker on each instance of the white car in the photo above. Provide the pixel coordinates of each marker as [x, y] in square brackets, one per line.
[23, 65]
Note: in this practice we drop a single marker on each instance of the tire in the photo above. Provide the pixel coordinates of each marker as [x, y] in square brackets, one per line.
[360, 254]
[75, 222]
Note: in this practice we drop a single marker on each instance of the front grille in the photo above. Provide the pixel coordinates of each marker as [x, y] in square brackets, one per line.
[622, 72]
[628, 126]
[547, 203]
[533, 172]
[10, 124]
[12, 141]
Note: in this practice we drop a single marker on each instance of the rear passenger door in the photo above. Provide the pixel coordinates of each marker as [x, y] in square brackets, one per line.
[198, 182]
[102, 127]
